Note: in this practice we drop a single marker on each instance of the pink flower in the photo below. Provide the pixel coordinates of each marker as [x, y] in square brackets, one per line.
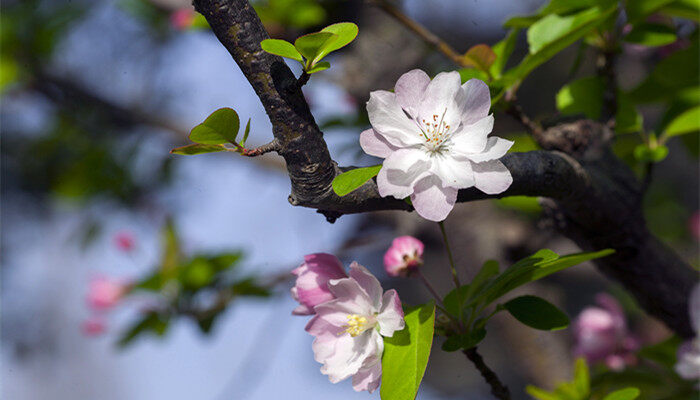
[93, 326]
[688, 364]
[182, 19]
[601, 334]
[311, 287]
[404, 256]
[348, 330]
[124, 241]
[105, 293]
[433, 137]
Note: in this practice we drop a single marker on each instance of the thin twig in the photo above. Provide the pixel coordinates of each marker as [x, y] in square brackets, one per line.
[515, 111]
[606, 64]
[498, 389]
[260, 150]
[648, 173]
[303, 78]
[455, 278]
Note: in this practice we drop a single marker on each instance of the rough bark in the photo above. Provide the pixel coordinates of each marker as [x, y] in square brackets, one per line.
[595, 198]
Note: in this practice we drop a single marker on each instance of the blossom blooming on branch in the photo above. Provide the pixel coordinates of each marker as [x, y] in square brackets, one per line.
[433, 138]
[105, 292]
[688, 365]
[404, 256]
[311, 287]
[348, 327]
[601, 334]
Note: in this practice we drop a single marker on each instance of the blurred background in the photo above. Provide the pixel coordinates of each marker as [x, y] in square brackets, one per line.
[94, 94]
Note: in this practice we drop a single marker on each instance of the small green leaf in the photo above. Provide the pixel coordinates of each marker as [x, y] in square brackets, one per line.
[584, 96]
[582, 377]
[487, 271]
[629, 393]
[465, 341]
[353, 179]
[644, 153]
[537, 313]
[345, 33]
[628, 119]
[687, 122]
[245, 133]
[663, 353]
[503, 50]
[454, 301]
[281, 48]
[480, 56]
[540, 394]
[196, 148]
[406, 354]
[318, 67]
[153, 322]
[468, 73]
[220, 127]
[311, 45]
[651, 35]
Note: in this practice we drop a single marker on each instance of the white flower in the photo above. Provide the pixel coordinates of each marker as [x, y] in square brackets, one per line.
[433, 138]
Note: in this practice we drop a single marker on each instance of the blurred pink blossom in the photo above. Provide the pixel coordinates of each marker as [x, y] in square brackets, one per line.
[601, 334]
[182, 19]
[311, 287]
[404, 256]
[105, 292]
[124, 241]
[93, 326]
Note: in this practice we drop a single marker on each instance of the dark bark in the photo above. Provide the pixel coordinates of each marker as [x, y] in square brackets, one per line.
[498, 389]
[595, 198]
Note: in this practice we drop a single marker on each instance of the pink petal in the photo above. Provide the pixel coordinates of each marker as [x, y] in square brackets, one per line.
[453, 172]
[400, 171]
[369, 376]
[474, 101]
[441, 94]
[409, 89]
[389, 120]
[375, 144]
[350, 298]
[302, 310]
[431, 200]
[368, 283]
[350, 353]
[495, 149]
[472, 139]
[491, 177]
[390, 316]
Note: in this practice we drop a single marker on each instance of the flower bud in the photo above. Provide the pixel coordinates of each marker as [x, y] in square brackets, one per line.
[404, 256]
[311, 287]
[105, 293]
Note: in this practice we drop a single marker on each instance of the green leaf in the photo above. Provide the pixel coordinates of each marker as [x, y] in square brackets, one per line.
[537, 313]
[628, 119]
[563, 7]
[663, 353]
[281, 48]
[353, 179]
[638, 10]
[582, 96]
[468, 73]
[345, 33]
[487, 271]
[503, 51]
[480, 56]
[196, 148]
[311, 45]
[644, 153]
[319, 67]
[220, 127]
[153, 322]
[629, 393]
[651, 35]
[465, 341]
[689, 9]
[540, 394]
[245, 133]
[673, 74]
[406, 354]
[552, 34]
[582, 377]
[687, 122]
[454, 301]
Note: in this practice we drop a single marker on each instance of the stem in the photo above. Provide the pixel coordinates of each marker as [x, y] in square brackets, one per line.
[303, 78]
[430, 287]
[455, 278]
[498, 389]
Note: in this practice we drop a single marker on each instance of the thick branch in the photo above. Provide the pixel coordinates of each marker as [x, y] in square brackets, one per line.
[598, 199]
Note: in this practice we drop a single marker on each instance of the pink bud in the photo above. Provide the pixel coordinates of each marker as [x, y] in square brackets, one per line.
[182, 19]
[93, 326]
[105, 293]
[311, 287]
[124, 241]
[404, 256]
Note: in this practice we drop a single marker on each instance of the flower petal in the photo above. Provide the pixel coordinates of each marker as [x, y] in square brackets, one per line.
[491, 177]
[350, 296]
[369, 375]
[472, 138]
[409, 90]
[375, 144]
[368, 282]
[390, 317]
[452, 171]
[495, 148]
[350, 353]
[474, 101]
[389, 120]
[439, 102]
[431, 200]
[400, 171]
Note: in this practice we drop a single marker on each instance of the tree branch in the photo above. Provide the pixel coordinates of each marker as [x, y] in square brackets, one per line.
[597, 198]
[498, 389]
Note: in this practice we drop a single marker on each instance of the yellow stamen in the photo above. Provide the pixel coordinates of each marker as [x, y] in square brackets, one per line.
[356, 325]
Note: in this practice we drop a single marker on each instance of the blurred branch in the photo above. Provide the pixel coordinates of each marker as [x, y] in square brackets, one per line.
[606, 67]
[498, 389]
[598, 198]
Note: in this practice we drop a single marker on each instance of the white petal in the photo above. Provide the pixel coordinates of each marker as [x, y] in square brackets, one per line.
[441, 91]
[453, 172]
[390, 317]
[409, 90]
[368, 283]
[375, 144]
[431, 200]
[390, 121]
[495, 148]
[350, 354]
[349, 296]
[472, 138]
[474, 101]
[369, 376]
[492, 177]
[400, 171]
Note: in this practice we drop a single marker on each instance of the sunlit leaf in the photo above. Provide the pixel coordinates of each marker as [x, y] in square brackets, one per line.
[345, 33]
[582, 96]
[353, 179]
[687, 122]
[197, 148]
[630, 393]
[219, 127]
[480, 56]
[322, 66]
[281, 48]
[311, 45]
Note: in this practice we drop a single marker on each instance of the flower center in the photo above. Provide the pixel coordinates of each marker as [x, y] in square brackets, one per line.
[358, 324]
[435, 130]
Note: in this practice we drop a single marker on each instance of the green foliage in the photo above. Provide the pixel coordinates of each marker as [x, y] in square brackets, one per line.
[353, 179]
[220, 127]
[298, 14]
[687, 122]
[623, 394]
[481, 57]
[582, 96]
[650, 154]
[153, 322]
[651, 35]
[310, 49]
[503, 50]
[196, 148]
[537, 313]
[406, 354]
